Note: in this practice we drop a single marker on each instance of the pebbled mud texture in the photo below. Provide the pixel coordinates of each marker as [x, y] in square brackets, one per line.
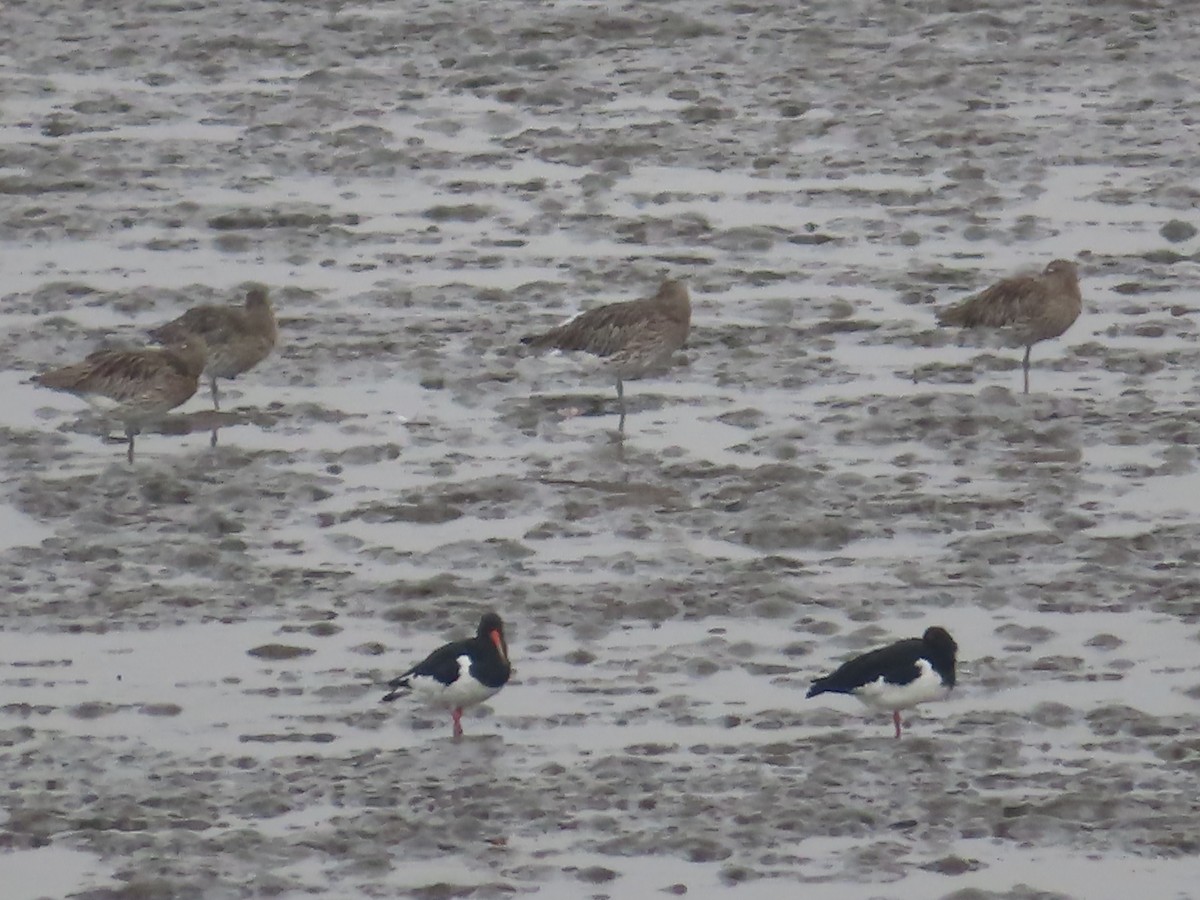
[192, 646]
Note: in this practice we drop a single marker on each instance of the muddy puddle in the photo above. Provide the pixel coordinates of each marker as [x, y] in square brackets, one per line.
[192, 644]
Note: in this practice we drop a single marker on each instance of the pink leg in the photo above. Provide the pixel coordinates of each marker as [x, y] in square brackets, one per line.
[896, 719]
[456, 714]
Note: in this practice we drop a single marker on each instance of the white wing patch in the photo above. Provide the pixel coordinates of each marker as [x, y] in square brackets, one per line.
[465, 691]
[879, 694]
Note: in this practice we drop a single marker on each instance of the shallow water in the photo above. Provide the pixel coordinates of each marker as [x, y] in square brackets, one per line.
[822, 472]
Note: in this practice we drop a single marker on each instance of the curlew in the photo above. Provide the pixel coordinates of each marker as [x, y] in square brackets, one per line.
[1032, 308]
[133, 386]
[632, 337]
[460, 674]
[237, 339]
[897, 676]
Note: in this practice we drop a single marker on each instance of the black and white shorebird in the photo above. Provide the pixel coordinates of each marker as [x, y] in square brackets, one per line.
[897, 676]
[461, 674]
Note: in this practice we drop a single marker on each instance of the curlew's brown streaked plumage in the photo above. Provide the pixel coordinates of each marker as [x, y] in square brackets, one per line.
[138, 385]
[632, 337]
[238, 339]
[1033, 308]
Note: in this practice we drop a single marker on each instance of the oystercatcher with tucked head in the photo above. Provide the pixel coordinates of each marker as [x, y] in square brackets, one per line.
[898, 676]
[461, 674]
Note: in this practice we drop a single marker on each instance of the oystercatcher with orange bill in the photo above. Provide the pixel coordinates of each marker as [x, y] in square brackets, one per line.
[461, 674]
[898, 676]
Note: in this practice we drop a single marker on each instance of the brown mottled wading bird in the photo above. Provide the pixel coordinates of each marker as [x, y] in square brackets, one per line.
[136, 386]
[632, 338]
[237, 339]
[1032, 307]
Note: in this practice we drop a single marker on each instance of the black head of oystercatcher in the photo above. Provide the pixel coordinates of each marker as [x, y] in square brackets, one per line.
[898, 676]
[460, 674]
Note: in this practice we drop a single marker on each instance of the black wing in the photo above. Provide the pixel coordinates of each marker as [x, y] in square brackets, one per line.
[441, 664]
[896, 664]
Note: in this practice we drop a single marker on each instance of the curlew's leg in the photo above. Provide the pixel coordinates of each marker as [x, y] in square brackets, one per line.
[621, 402]
[896, 719]
[456, 715]
[129, 433]
[216, 394]
[1025, 366]
[212, 438]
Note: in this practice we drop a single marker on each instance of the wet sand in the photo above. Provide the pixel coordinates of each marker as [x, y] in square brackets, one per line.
[193, 646]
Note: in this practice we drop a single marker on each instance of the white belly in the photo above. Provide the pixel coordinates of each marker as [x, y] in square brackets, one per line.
[464, 692]
[881, 695]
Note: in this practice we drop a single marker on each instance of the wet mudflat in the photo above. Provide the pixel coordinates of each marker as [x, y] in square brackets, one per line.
[192, 644]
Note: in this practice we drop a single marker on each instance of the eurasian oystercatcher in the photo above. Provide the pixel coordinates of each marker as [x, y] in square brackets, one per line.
[897, 676]
[460, 674]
